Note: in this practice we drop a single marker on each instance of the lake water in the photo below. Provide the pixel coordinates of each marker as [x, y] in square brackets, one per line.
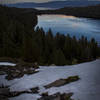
[71, 25]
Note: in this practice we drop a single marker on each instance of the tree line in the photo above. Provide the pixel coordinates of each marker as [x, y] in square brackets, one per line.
[45, 48]
[87, 12]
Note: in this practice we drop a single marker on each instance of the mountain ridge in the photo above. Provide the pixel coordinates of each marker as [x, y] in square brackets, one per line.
[54, 4]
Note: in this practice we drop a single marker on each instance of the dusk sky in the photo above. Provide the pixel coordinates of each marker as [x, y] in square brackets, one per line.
[17, 1]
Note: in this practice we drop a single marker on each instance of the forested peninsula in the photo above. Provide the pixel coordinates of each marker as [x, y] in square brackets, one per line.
[87, 11]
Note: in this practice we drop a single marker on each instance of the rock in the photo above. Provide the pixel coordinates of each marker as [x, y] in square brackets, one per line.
[14, 94]
[44, 94]
[3, 97]
[27, 65]
[57, 96]
[66, 96]
[36, 66]
[62, 82]
[72, 79]
[53, 65]
[4, 91]
[2, 73]
[18, 71]
[35, 90]
[29, 71]
[57, 83]
[14, 75]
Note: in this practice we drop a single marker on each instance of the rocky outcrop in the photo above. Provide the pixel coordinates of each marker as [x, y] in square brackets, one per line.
[62, 82]
[19, 70]
[57, 96]
[5, 92]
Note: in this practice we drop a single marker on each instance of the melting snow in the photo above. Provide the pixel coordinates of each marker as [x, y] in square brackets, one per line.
[87, 88]
[26, 97]
[7, 64]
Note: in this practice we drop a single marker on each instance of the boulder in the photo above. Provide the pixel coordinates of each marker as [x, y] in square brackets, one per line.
[35, 90]
[57, 96]
[62, 82]
[4, 91]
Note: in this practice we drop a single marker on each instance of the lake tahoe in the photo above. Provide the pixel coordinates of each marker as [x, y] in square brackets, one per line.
[74, 26]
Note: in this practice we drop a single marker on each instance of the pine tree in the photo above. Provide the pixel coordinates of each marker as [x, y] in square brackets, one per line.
[30, 50]
[58, 57]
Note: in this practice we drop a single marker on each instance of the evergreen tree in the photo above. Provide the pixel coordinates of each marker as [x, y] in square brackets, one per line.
[20, 39]
[30, 49]
[58, 57]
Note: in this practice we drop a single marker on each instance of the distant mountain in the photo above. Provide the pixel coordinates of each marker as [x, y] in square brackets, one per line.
[54, 4]
[86, 12]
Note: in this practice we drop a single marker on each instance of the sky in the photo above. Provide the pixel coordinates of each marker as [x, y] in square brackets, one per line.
[16, 1]
[38, 1]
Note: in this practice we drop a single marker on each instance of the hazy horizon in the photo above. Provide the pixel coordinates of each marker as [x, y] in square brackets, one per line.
[37, 1]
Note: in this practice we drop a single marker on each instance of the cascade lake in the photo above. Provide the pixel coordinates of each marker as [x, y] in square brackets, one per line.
[74, 26]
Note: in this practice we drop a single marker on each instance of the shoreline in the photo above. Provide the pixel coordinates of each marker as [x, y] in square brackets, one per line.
[81, 12]
[92, 18]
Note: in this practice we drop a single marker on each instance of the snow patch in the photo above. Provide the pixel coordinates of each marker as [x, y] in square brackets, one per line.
[26, 97]
[7, 64]
[87, 88]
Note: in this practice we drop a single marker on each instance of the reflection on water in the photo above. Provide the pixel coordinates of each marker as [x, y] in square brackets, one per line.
[43, 8]
[71, 25]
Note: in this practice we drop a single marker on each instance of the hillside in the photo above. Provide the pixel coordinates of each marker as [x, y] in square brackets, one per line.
[26, 17]
[54, 4]
[88, 11]
[87, 88]
[85, 11]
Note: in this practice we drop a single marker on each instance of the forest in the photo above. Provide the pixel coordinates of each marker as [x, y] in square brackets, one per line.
[19, 39]
[87, 11]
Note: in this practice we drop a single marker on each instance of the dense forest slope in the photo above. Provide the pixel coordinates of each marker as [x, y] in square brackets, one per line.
[89, 11]
[27, 17]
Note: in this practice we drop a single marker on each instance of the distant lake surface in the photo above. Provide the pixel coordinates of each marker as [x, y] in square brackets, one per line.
[44, 8]
[71, 25]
